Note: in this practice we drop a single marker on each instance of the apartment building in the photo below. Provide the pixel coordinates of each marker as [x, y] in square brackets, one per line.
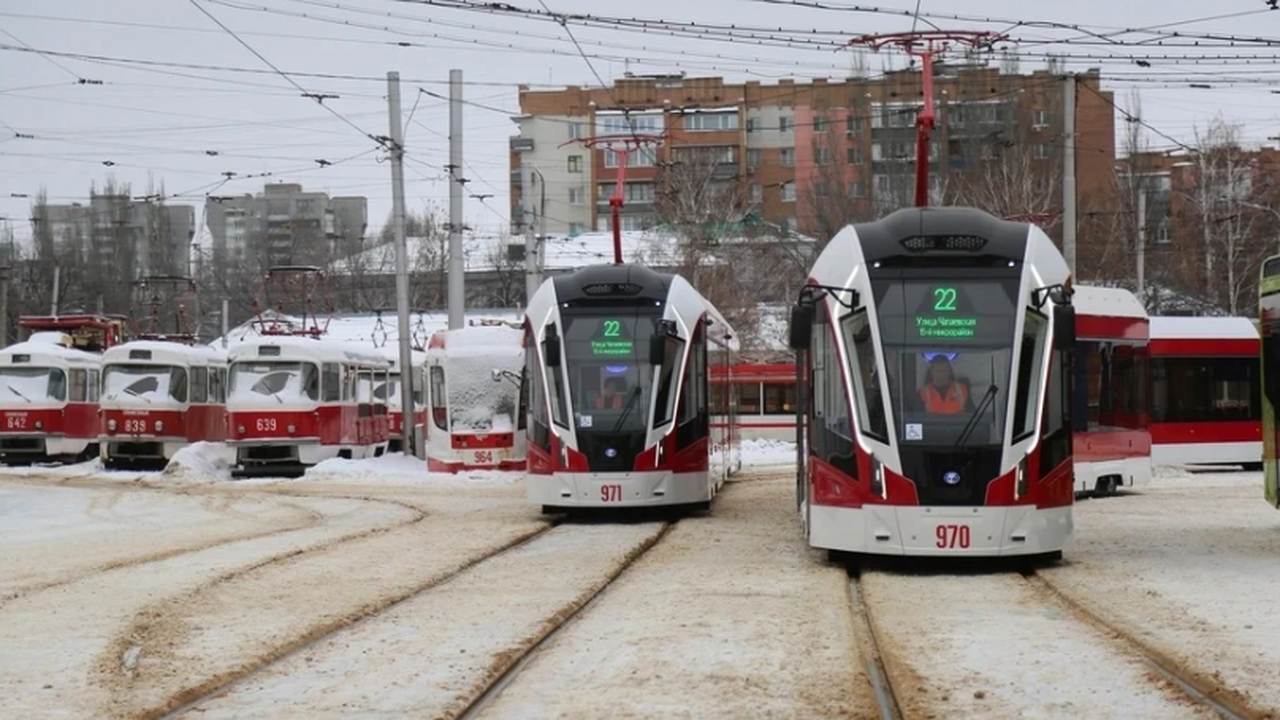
[118, 236]
[286, 224]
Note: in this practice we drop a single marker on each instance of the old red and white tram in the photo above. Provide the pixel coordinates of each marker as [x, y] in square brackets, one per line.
[474, 403]
[158, 397]
[935, 351]
[1112, 441]
[616, 382]
[389, 392]
[48, 401]
[294, 401]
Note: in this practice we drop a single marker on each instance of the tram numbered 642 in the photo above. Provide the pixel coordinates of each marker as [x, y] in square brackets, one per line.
[935, 370]
[616, 385]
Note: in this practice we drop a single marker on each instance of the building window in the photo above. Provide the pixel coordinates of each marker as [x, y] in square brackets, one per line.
[719, 154]
[751, 125]
[754, 158]
[856, 189]
[890, 152]
[821, 156]
[575, 163]
[784, 123]
[642, 157]
[1039, 119]
[623, 125]
[1162, 232]
[640, 192]
[604, 191]
[854, 155]
[711, 121]
[575, 130]
[575, 195]
[819, 123]
[757, 193]
[1043, 151]
[851, 124]
[788, 157]
[788, 192]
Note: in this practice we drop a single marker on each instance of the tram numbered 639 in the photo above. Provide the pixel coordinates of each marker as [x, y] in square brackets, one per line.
[935, 350]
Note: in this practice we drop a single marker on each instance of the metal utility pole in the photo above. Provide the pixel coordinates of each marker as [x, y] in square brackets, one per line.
[456, 265]
[407, 410]
[1141, 249]
[530, 242]
[226, 322]
[53, 304]
[1069, 173]
[4, 306]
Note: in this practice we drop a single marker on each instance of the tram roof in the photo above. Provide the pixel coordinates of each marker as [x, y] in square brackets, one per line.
[365, 329]
[476, 340]
[952, 229]
[45, 349]
[321, 349]
[1202, 328]
[1106, 302]
[162, 350]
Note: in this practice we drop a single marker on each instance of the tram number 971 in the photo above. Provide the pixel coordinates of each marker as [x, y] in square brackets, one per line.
[952, 536]
[610, 493]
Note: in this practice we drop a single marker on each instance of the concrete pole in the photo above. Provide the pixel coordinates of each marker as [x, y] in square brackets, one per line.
[530, 242]
[1069, 172]
[4, 306]
[457, 267]
[1141, 249]
[408, 412]
[53, 304]
[226, 322]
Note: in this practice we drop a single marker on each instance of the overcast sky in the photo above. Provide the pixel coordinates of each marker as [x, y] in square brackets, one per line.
[158, 123]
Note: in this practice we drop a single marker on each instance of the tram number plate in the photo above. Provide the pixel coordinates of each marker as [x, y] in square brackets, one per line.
[952, 536]
[610, 493]
[483, 457]
[136, 427]
[15, 422]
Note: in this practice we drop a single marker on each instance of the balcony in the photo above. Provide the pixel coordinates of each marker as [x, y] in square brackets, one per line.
[516, 178]
[521, 144]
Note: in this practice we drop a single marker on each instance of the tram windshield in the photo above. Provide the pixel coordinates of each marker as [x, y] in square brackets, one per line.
[26, 385]
[389, 392]
[283, 381]
[610, 378]
[144, 384]
[948, 346]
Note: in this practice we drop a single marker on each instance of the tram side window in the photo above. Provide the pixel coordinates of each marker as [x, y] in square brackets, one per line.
[540, 431]
[331, 382]
[217, 385]
[779, 398]
[439, 404]
[94, 387]
[79, 385]
[693, 423]
[559, 393]
[1057, 428]
[57, 384]
[866, 376]
[831, 432]
[665, 396]
[199, 384]
[1200, 389]
[749, 398]
[178, 384]
[1030, 364]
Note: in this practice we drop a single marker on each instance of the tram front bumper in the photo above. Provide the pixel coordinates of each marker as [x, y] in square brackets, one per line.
[942, 531]
[617, 489]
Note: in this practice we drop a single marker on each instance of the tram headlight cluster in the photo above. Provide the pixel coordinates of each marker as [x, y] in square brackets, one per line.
[1020, 480]
[159, 426]
[39, 424]
[112, 425]
[240, 429]
[877, 477]
[292, 429]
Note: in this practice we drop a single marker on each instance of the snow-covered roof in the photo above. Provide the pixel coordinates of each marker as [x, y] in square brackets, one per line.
[479, 252]
[44, 350]
[320, 349]
[381, 330]
[1106, 302]
[477, 341]
[166, 351]
[1203, 328]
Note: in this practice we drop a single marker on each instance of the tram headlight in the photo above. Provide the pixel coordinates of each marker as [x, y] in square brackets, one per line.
[877, 477]
[39, 424]
[1020, 480]
[292, 429]
[240, 429]
[159, 426]
[111, 425]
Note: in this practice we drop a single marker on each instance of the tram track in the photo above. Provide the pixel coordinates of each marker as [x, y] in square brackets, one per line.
[1197, 686]
[869, 649]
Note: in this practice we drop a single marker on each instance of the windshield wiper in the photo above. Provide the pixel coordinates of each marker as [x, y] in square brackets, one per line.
[14, 390]
[137, 394]
[987, 401]
[626, 410]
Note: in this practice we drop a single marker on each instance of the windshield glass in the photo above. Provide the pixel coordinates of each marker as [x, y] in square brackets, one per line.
[610, 378]
[26, 385]
[477, 402]
[143, 384]
[251, 381]
[947, 349]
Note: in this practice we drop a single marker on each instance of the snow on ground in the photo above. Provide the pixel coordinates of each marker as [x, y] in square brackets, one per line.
[1193, 568]
[729, 616]
[763, 452]
[1174, 476]
[993, 647]
[431, 655]
[201, 462]
[401, 469]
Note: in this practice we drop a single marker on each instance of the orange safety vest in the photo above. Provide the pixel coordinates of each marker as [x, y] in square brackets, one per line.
[615, 402]
[951, 402]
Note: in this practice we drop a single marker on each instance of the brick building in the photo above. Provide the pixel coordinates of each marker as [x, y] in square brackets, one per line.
[813, 156]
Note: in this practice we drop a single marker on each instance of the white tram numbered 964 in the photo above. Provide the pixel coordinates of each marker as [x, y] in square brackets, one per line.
[616, 382]
[158, 397]
[935, 352]
[295, 401]
[473, 399]
[48, 401]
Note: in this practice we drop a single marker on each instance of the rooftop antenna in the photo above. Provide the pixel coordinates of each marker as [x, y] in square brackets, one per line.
[622, 145]
[292, 282]
[925, 44]
[157, 295]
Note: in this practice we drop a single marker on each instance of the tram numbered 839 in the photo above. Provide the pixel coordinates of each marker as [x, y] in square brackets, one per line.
[935, 368]
[616, 385]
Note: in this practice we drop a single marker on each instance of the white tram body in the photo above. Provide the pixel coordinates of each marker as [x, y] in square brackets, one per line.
[616, 382]
[48, 400]
[473, 394]
[936, 346]
[157, 398]
[295, 401]
[390, 392]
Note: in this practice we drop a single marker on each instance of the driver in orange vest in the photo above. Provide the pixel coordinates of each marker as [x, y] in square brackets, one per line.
[614, 395]
[942, 395]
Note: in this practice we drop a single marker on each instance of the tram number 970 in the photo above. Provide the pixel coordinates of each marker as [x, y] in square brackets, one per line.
[952, 536]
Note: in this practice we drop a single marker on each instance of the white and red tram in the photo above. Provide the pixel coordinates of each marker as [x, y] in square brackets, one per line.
[618, 360]
[1112, 441]
[158, 397]
[936, 353]
[389, 392]
[48, 400]
[474, 421]
[294, 401]
[1205, 397]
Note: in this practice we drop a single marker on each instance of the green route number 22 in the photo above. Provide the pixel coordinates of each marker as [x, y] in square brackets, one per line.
[944, 299]
[612, 328]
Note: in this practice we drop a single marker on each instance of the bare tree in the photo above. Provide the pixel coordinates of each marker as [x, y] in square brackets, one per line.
[1012, 184]
[832, 197]
[700, 194]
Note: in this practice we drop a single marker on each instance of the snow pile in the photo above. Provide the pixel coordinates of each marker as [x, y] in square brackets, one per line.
[401, 469]
[758, 452]
[200, 462]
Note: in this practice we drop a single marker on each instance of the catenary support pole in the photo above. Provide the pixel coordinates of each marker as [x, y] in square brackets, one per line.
[1140, 250]
[456, 265]
[408, 412]
[1069, 172]
[530, 240]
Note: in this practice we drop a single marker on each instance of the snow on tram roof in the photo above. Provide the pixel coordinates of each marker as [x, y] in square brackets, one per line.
[166, 350]
[1202, 328]
[476, 340]
[1106, 302]
[322, 349]
[365, 328]
[42, 346]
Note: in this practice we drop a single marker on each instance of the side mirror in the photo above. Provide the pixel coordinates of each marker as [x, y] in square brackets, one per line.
[551, 349]
[1064, 327]
[801, 330]
[657, 349]
[496, 374]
